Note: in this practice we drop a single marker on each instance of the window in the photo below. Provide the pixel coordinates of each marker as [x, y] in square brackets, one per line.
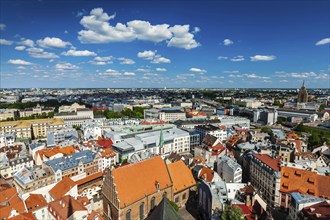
[152, 202]
[184, 196]
[176, 199]
[142, 211]
[128, 215]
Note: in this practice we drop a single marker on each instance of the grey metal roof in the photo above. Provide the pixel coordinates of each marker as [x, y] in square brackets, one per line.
[68, 162]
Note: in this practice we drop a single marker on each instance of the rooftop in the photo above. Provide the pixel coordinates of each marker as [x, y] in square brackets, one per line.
[181, 176]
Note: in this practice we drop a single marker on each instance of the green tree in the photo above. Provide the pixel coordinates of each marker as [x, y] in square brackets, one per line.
[314, 139]
[322, 107]
[300, 127]
[266, 129]
[231, 213]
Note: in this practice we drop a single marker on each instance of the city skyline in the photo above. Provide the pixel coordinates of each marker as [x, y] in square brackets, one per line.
[174, 44]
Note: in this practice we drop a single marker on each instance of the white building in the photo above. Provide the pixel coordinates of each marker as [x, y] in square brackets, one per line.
[229, 170]
[7, 139]
[70, 108]
[171, 115]
[79, 117]
[215, 131]
[161, 142]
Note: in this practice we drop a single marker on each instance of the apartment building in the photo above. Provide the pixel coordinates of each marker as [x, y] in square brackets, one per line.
[31, 129]
[32, 178]
[84, 162]
[216, 131]
[265, 177]
[229, 170]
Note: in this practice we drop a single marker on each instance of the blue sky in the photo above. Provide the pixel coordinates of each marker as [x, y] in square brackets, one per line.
[200, 44]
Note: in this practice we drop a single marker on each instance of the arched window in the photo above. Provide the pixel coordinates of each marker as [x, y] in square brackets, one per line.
[152, 202]
[142, 211]
[128, 215]
[165, 194]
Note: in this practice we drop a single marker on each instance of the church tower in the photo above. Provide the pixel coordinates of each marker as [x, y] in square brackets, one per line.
[302, 95]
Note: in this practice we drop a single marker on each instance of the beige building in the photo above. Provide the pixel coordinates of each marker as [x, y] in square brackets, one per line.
[31, 179]
[38, 110]
[7, 113]
[31, 128]
[70, 108]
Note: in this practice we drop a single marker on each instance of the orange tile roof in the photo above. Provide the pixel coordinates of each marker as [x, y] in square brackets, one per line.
[23, 216]
[66, 206]
[89, 178]
[49, 152]
[298, 144]
[134, 181]
[207, 174]
[293, 136]
[271, 162]
[304, 181]
[94, 214]
[35, 202]
[12, 200]
[108, 152]
[198, 160]
[62, 187]
[181, 176]
[233, 140]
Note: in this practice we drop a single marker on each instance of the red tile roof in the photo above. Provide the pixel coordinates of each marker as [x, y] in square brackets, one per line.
[62, 187]
[318, 211]
[11, 200]
[23, 216]
[102, 142]
[89, 178]
[269, 161]
[66, 206]
[134, 181]
[206, 173]
[35, 202]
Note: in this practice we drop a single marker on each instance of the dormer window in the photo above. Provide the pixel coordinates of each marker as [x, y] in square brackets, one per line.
[157, 185]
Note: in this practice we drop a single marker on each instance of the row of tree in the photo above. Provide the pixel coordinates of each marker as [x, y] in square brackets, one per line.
[137, 112]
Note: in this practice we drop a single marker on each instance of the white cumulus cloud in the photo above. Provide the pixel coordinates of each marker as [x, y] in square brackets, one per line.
[19, 62]
[126, 61]
[20, 48]
[79, 53]
[129, 74]
[147, 54]
[227, 42]
[161, 69]
[27, 42]
[5, 42]
[197, 70]
[237, 59]
[40, 53]
[52, 42]
[99, 30]
[323, 41]
[160, 59]
[222, 58]
[263, 58]
[66, 66]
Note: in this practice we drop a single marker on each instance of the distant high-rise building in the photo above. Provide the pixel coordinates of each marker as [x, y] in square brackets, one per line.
[302, 95]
